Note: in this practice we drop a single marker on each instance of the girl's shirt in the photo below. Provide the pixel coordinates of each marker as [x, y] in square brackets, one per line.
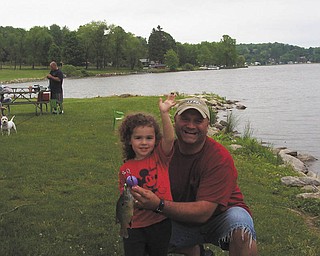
[152, 174]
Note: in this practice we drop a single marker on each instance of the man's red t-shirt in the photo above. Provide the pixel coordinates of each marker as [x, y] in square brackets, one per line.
[209, 175]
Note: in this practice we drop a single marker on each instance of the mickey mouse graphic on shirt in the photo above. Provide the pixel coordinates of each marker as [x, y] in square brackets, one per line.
[148, 179]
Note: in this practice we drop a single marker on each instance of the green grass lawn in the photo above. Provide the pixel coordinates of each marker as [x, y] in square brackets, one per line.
[24, 74]
[58, 185]
[8, 74]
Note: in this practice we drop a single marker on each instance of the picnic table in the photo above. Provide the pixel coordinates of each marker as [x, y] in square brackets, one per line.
[37, 95]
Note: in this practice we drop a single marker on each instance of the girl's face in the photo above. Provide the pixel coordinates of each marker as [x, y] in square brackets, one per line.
[143, 140]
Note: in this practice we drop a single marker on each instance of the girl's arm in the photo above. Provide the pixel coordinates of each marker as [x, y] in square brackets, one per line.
[168, 131]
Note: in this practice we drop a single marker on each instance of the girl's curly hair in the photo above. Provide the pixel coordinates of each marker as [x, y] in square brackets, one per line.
[126, 130]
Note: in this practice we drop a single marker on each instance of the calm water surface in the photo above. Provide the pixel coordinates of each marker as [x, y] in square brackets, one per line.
[282, 101]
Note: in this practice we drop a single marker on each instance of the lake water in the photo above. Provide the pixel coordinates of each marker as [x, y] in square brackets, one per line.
[282, 101]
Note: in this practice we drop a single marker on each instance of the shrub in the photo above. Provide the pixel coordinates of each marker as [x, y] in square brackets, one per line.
[70, 70]
[188, 67]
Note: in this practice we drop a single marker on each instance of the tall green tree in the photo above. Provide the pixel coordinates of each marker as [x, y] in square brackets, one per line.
[136, 49]
[99, 37]
[171, 60]
[56, 48]
[93, 38]
[204, 55]
[228, 50]
[72, 52]
[12, 45]
[84, 34]
[38, 42]
[57, 34]
[159, 43]
[118, 41]
[187, 53]
[54, 53]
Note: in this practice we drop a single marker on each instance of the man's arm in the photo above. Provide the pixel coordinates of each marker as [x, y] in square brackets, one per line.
[54, 78]
[167, 126]
[192, 212]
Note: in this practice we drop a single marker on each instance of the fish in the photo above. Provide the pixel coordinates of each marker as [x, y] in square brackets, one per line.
[124, 211]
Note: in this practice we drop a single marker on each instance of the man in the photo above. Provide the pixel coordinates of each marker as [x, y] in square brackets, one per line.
[207, 206]
[55, 85]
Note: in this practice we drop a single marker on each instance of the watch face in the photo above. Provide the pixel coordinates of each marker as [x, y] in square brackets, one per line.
[160, 207]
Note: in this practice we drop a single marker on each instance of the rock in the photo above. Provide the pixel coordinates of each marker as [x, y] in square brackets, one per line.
[292, 181]
[213, 102]
[310, 188]
[306, 158]
[235, 146]
[223, 123]
[228, 106]
[289, 152]
[293, 161]
[218, 126]
[125, 95]
[300, 181]
[292, 153]
[310, 181]
[240, 106]
[232, 102]
[212, 131]
[312, 174]
[309, 195]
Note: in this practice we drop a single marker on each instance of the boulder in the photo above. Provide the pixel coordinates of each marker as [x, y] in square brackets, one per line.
[296, 164]
[300, 181]
[306, 158]
[312, 174]
[240, 106]
[310, 188]
[309, 195]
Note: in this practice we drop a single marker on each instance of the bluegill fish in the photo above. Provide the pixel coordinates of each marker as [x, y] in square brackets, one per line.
[124, 211]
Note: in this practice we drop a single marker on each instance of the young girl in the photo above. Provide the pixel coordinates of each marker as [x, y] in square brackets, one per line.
[147, 154]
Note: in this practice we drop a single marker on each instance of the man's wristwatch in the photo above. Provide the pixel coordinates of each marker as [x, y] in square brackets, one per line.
[160, 207]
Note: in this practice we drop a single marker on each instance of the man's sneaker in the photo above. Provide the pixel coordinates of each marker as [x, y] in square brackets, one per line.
[205, 252]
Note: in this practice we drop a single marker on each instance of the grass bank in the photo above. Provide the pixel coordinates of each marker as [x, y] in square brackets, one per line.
[27, 74]
[58, 185]
[23, 75]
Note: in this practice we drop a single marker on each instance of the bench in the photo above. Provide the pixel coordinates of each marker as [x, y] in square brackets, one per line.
[43, 99]
[38, 105]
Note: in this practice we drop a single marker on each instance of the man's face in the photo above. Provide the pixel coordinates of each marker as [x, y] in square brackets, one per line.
[191, 127]
[53, 66]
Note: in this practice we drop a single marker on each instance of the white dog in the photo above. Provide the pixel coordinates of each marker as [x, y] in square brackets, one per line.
[7, 125]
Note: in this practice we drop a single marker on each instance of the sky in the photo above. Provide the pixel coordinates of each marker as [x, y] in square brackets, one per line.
[294, 22]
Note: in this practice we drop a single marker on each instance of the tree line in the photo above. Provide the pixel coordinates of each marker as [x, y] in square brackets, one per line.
[278, 53]
[100, 45]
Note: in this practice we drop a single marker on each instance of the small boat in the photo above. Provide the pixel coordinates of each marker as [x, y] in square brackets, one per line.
[211, 67]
